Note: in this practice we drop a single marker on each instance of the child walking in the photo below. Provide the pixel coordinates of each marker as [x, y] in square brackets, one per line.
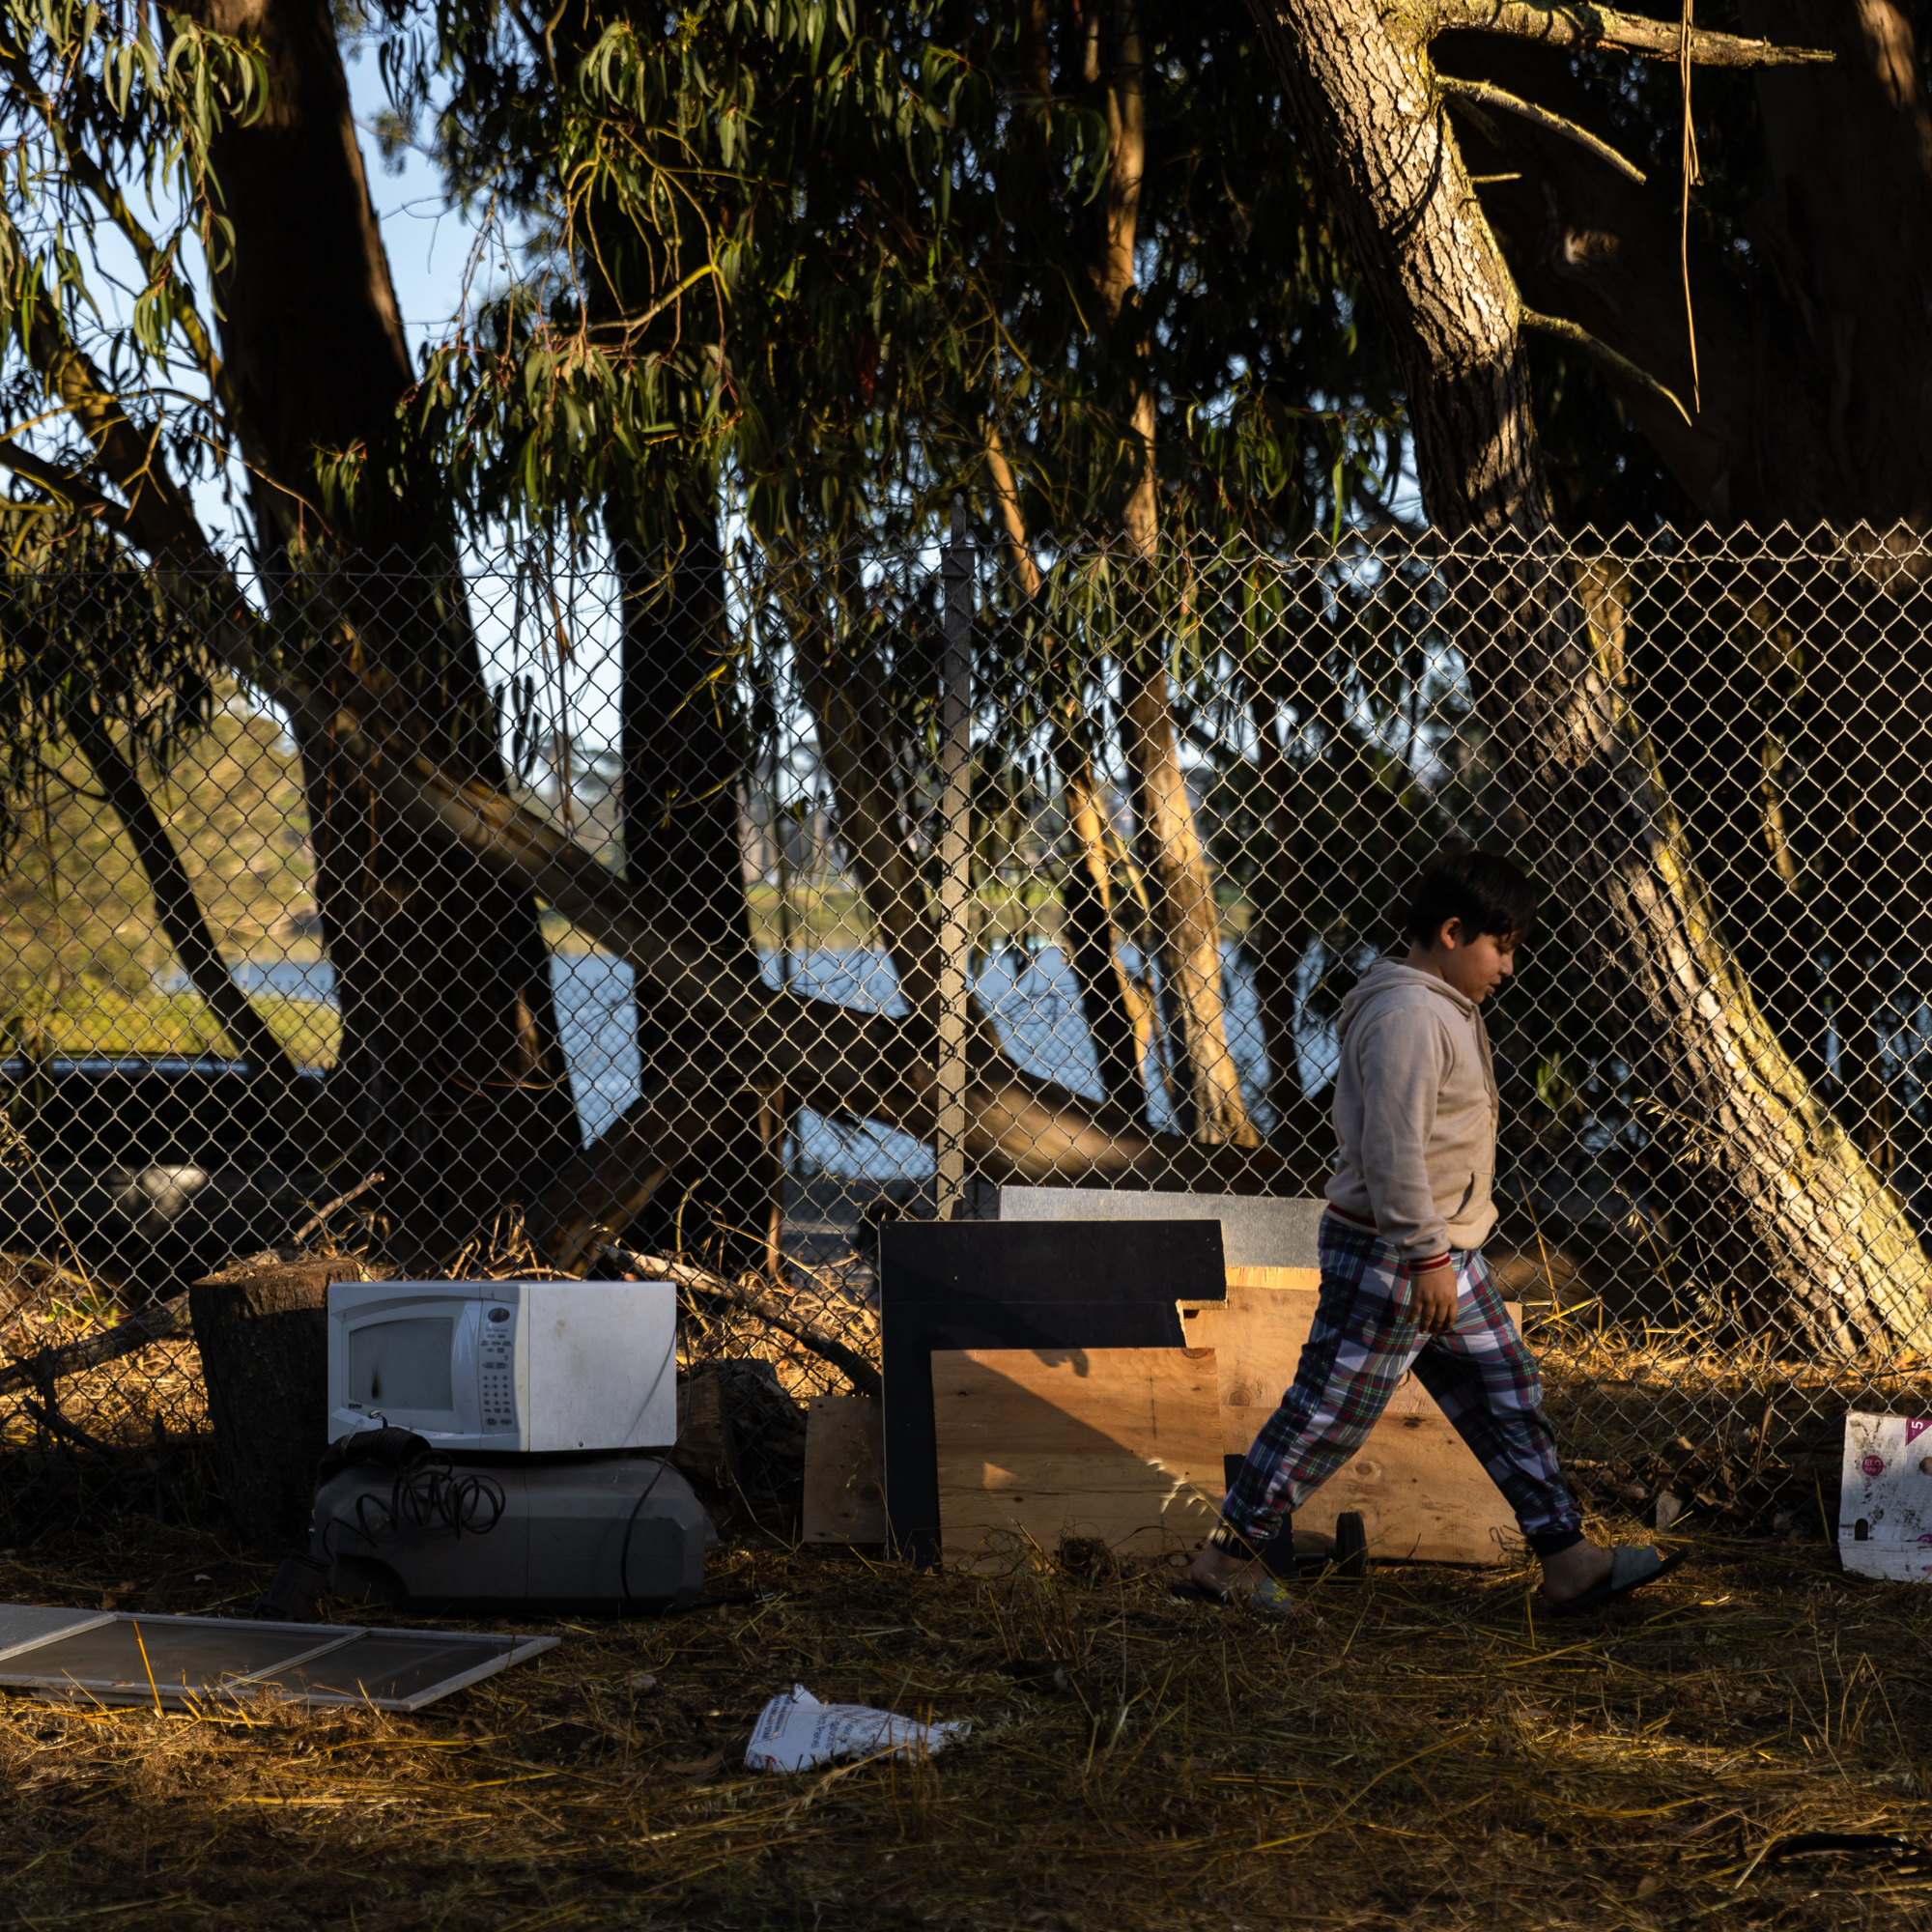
[1404, 1282]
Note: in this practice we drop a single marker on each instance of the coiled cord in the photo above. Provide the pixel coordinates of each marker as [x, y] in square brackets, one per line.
[429, 1494]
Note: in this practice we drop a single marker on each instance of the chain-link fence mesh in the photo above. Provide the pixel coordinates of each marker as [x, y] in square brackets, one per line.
[707, 910]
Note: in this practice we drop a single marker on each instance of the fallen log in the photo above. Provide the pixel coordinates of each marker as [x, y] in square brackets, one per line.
[57, 1425]
[160, 1324]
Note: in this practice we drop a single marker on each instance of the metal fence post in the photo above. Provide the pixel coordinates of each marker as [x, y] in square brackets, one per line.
[955, 804]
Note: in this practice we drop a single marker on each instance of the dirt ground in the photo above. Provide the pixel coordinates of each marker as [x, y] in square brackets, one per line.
[1422, 1749]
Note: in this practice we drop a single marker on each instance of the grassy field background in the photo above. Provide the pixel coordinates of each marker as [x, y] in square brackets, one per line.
[84, 968]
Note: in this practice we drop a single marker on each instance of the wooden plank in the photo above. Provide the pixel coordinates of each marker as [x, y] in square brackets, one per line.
[1257, 1335]
[1419, 1491]
[1421, 1496]
[1036, 1445]
[1256, 1277]
[844, 1482]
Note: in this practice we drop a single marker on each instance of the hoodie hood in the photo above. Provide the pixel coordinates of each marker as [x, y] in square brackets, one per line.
[1391, 976]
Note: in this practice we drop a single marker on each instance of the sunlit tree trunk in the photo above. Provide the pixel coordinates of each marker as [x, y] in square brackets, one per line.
[1180, 888]
[1840, 1260]
[1092, 945]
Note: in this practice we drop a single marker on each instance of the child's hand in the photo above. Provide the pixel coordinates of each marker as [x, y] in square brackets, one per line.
[1432, 1300]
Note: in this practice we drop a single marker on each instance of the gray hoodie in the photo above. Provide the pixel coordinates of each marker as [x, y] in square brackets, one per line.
[1415, 1112]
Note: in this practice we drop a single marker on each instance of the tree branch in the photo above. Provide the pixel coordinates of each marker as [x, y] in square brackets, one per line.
[863, 1376]
[1621, 365]
[159, 516]
[157, 263]
[1578, 29]
[41, 1371]
[180, 910]
[834, 1058]
[58, 485]
[1511, 103]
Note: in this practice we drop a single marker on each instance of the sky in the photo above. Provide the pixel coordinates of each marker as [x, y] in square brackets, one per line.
[429, 246]
[428, 243]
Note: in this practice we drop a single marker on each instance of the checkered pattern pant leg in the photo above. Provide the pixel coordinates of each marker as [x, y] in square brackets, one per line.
[1361, 1345]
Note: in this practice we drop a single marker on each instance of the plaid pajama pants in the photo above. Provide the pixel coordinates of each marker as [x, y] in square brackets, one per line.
[1361, 1345]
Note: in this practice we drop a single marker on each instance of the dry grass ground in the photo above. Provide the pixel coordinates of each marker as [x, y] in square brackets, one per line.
[1419, 1750]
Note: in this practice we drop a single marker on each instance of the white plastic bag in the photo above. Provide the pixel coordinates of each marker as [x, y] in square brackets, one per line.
[796, 1731]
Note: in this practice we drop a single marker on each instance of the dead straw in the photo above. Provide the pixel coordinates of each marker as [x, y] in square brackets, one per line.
[1409, 1751]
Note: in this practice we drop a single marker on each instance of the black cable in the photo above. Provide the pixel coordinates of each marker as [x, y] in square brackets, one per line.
[428, 1492]
[663, 1462]
[631, 1523]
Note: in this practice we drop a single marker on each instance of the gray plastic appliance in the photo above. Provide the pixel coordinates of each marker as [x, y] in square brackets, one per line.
[609, 1533]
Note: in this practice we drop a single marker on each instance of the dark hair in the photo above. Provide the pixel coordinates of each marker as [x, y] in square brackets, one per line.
[1482, 889]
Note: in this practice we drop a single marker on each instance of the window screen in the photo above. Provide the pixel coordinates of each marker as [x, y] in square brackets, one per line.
[182, 1661]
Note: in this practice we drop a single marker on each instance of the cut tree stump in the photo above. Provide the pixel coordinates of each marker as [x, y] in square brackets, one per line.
[706, 1444]
[261, 1327]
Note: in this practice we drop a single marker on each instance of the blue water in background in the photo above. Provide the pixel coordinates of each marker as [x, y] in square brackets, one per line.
[1031, 996]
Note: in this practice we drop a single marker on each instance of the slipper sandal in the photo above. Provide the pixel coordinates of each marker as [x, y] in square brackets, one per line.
[1633, 1566]
[1267, 1598]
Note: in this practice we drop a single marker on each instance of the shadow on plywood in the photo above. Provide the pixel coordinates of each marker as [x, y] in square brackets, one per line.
[1036, 1445]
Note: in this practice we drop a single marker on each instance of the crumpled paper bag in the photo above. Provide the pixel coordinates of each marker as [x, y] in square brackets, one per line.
[795, 1732]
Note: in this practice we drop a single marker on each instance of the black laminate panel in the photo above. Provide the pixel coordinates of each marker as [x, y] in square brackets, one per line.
[1017, 1285]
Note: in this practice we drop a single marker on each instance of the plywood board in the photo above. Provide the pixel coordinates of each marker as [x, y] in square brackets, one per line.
[1309, 1278]
[1257, 1335]
[1421, 1496]
[1420, 1491]
[984, 1285]
[1035, 1445]
[844, 1470]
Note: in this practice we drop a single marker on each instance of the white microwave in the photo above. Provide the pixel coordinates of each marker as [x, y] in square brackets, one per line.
[515, 1366]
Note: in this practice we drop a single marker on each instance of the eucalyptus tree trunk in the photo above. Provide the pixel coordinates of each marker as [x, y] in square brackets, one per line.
[683, 755]
[1092, 944]
[451, 1047]
[1808, 405]
[1840, 1260]
[1279, 929]
[1180, 888]
[1093, 948]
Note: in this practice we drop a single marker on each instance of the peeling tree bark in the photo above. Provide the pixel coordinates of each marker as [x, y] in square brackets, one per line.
[1180, 888]
[1092, 944]
[1840, 1259]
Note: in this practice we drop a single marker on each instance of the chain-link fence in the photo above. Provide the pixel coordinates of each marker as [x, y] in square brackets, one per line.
[712, 908]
